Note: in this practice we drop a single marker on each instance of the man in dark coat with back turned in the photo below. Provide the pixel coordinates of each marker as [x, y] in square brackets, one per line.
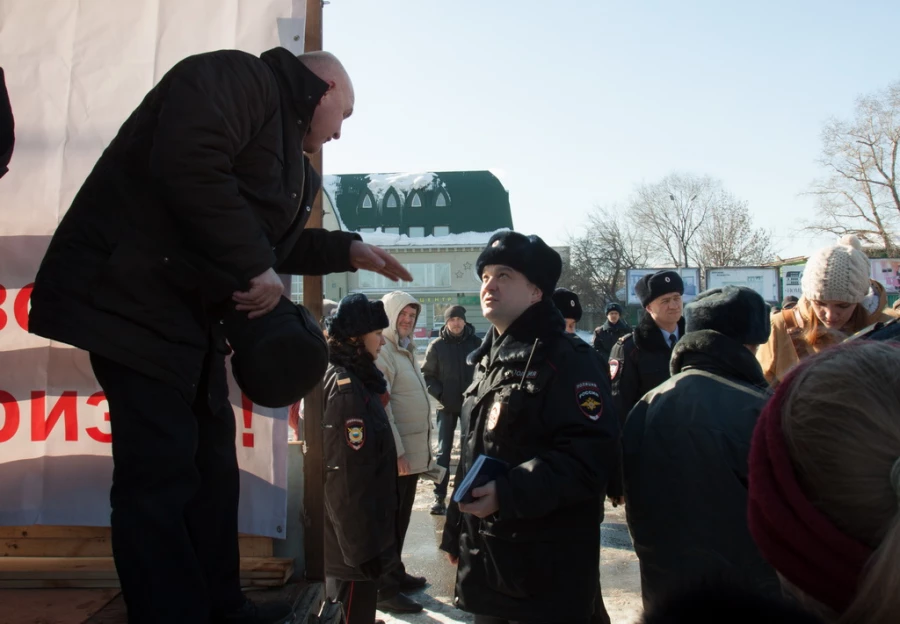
[448, 374]
[639, 361]
[197, 202]
[527, 546]
[685, 449]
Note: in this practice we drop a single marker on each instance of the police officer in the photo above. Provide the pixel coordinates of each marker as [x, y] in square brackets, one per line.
[360, 459]
[526, 547]
[639, 361]
[609, 333]
[569, 306]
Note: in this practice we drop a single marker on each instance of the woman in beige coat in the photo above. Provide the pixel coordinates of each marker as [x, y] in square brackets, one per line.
[409, 411]
[839, 299]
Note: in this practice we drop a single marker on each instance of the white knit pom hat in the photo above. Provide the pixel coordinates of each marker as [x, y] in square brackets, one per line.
[837, 273]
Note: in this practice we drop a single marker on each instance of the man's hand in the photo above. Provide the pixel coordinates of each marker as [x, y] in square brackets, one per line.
[372, 258]
[402, 466]
[264, 294]
[453, 559]
[486, 502]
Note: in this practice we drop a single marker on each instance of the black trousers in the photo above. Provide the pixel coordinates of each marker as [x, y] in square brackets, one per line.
[446, 426]
[389, 584]
[174, 495]
[358, 599]
[485, 619]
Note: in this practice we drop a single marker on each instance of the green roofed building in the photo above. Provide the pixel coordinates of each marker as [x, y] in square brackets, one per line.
[435, 223]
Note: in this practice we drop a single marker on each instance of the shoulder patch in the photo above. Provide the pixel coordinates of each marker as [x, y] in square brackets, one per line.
[624, 337]
[355, 432]
[614, 366]
[343, 382]
[589, 399]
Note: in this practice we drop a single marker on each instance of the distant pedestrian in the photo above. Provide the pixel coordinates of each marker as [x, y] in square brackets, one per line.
[685, 448]
[789, 303]
[448, 374]
[608, 334]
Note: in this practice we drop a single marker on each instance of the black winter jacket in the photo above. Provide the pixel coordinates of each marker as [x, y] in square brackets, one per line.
[204, 187]
[638, 363]
[607, 335]
[360, 478]
[537, 558]
[446, 371]
[685, 449]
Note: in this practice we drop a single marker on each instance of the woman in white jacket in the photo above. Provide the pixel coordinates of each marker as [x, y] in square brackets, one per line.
[409, 411]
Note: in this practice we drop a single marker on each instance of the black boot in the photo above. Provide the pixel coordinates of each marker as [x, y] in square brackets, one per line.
[274, 612]
[439, 508]
[401, 603]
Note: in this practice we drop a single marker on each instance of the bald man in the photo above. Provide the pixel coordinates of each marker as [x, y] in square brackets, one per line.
[199, 200]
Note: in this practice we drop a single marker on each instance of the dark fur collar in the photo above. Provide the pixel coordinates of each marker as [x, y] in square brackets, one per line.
[718, 354]
[649, 337]
[300, 84]
[542, 322]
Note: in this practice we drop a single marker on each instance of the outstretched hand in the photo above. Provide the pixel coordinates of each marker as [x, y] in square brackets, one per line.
[377, 260]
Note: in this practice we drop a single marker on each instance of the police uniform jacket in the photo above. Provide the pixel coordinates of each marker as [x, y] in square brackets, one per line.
[607, 335]
[360, 478]
[552, 421]
[638, 363]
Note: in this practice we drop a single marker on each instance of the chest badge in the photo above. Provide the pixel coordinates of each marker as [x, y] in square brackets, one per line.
[494, 415]
[355, 430]
[589, 400]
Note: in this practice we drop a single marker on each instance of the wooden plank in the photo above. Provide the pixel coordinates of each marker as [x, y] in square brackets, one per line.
[57, 532]
[99, 568]
[107, 583]
[253, 546]
[56, 547]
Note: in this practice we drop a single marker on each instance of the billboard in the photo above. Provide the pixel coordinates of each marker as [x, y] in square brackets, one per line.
[764, 280]
[888, 273]
[791, 275]
[690, 276]
[75, 71]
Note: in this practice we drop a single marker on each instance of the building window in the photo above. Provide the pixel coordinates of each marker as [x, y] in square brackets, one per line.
[416, 232]
[442, 200]
[391, 230]
[367, 202]
[425, 275]
[416, 201]
[442, 230]
[297, 288]
[391, 200]
[366, 230]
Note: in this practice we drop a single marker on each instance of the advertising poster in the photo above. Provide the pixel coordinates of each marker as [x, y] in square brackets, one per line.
[764, 280]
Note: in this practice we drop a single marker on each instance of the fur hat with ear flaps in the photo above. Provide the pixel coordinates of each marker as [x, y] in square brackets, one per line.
[837, 273]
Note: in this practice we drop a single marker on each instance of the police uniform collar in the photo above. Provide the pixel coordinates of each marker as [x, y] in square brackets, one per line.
[648, 337]
[541, 322]
[303, 87]
[716, 353]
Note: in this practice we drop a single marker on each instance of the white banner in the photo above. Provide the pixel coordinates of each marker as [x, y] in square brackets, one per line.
[764, 280]
[75, 71]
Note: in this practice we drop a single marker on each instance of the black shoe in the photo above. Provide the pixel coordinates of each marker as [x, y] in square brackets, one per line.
[401, 603]
[274, 612]
[410, 582]
[439, 508]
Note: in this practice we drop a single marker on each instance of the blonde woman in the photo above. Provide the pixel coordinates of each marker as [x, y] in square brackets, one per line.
[825, 483]
[839, 299]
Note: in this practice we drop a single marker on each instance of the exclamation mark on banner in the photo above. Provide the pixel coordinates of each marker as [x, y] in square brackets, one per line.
[247, 409]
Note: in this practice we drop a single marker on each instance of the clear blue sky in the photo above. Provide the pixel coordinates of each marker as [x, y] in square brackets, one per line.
[576, 102]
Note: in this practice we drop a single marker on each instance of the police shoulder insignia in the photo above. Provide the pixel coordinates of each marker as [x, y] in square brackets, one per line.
[614, 366]
[494, 415]
[344, 383]
[355, 429]
[589, 400]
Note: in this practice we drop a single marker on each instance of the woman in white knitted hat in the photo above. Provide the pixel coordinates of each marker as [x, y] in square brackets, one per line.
[838, 300]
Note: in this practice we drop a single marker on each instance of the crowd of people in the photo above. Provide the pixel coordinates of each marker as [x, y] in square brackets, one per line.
[757, 455]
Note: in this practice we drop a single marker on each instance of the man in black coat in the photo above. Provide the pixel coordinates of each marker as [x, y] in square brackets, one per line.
[197, 202]
[639, 361]
[685, 449]
[527, 546]
[448, 374]
[608, 334]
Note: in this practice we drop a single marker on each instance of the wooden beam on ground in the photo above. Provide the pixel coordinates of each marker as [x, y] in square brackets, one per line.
[314, 402]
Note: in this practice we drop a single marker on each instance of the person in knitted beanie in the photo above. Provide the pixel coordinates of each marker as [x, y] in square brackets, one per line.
[838, 300]
[824, 483]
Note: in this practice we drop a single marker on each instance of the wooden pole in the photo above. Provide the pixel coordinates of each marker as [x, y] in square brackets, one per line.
[314, 402]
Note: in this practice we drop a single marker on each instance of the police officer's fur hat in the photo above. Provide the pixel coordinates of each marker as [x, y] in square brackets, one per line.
[527, 254]
[357, 316]
[278, 358]
[736, 311]
[567, 303]
[614, 307]
[655, 285]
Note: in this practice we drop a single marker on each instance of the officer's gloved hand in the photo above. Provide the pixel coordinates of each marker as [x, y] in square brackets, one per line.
[371, 568]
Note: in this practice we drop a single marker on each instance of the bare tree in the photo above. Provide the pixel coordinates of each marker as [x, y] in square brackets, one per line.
[728, 238]
[600, 255]
[860, 195]
[672, 212]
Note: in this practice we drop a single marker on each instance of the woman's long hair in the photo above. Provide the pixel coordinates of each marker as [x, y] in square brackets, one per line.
[817, 334]
[352, 355]
[841, 423]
